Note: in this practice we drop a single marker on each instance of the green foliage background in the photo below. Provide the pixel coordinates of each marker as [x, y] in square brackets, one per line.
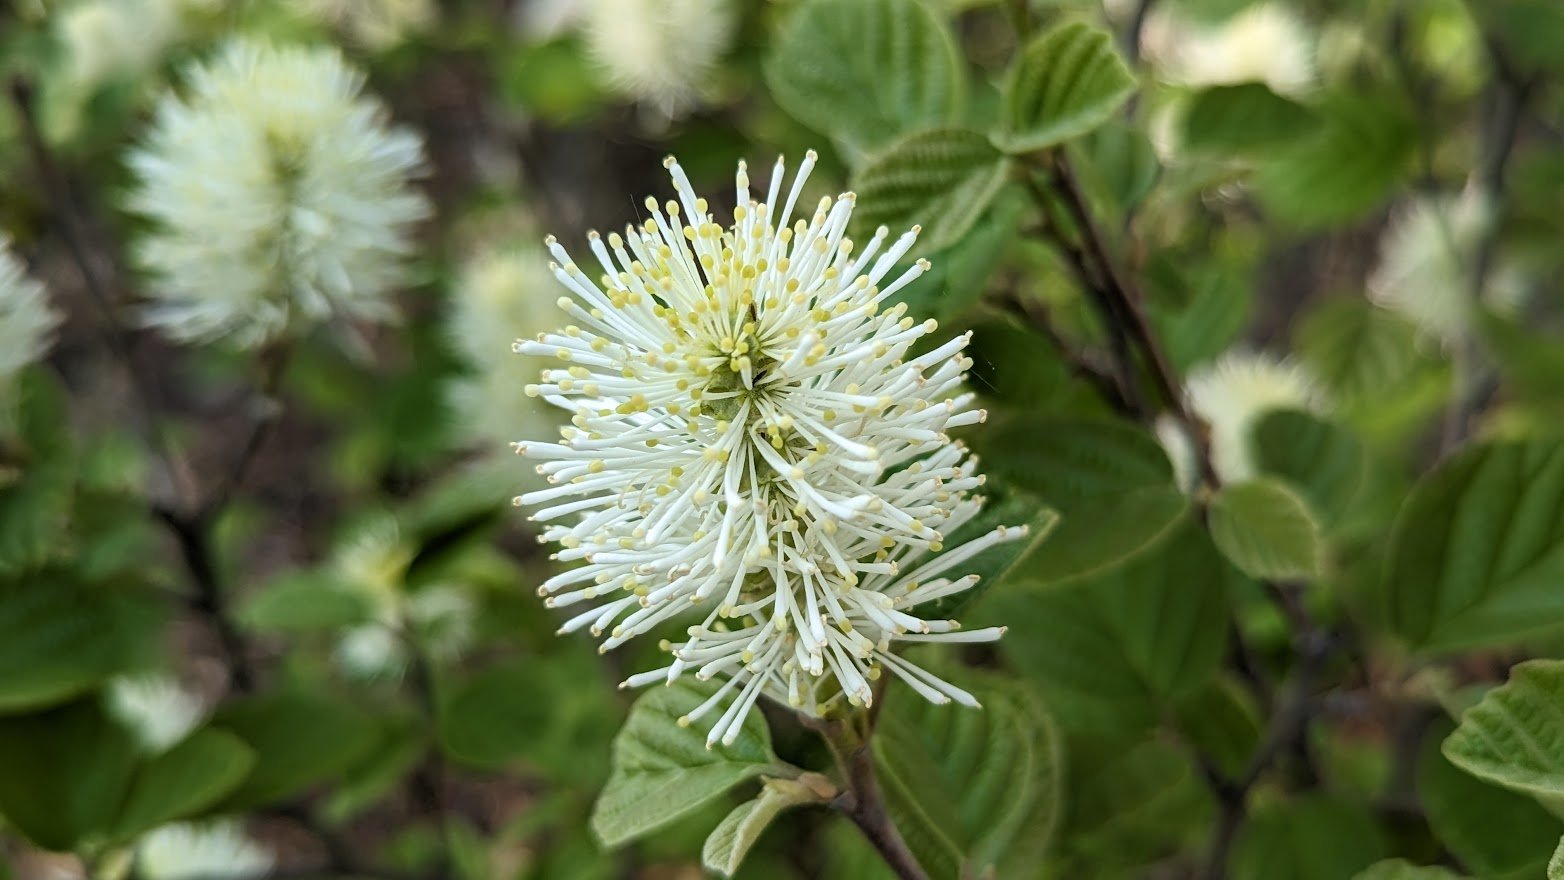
[1345, 663]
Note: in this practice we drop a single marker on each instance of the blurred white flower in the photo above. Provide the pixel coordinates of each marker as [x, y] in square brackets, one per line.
[1426, 263]
[280, 195]
[501, 295]
[1231, 395]
[27, 321]
[209, 851]
[751, 441]
[108, 38]
[375, 24]
[157, 710]
[1265, 42]
[659, 52]
[441, 618]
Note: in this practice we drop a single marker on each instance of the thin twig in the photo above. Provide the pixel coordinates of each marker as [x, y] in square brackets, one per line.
[193, 536]
[264, 414]
[861, 800]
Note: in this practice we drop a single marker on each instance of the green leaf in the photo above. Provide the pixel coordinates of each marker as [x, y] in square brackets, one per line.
[496, 715]
[1243, 119]
[1556, 864]
[184, 780]
[1266, 530]
[1199, 313]
[960, 273]
[968, 786]
[1099, 536]
[64, 773]
[1493, 832]
[1066, 82]
[1401, 869]
[1222, 721]
[1118, 164]
[1118, 650]
[1360, 154]
[730, 841]
[1127, 801]
[1322, 461]
[1069, 463]
[1314, 837]
[943, 179]
[1356, 348]
[302, 601]
[1477, 553]
[299, 739]
[866, 71]
[663, 771]
[1512, 737]
[1002, 507]
[59, 638]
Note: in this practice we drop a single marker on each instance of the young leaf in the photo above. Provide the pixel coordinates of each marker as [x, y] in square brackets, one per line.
[1314, 837]
[974, 784]
[730, 841]
[866, 70]
[1066, 83]
[1477, 553]
[1493, 832]
[1266, 530]
[942, 179]
[662, 770]
[1511, 738]
[1321, 460]
[1243, 119]
[299, 739]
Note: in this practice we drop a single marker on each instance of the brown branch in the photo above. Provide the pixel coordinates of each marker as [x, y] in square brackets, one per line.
[861, 800]
[192, 534]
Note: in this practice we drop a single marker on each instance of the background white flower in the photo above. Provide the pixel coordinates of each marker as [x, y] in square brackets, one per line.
[281, 197]
[660, 52]
[502, 294]
[1265, 42]
[1231, 395]
[209, 851]
[375, 24]
[1427, 259]
[751, 442]
[27, 321]
[106, 38]
[157, 710]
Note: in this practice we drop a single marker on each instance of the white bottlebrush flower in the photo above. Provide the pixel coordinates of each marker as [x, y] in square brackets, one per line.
[501, 295]
[375, 24]
[27, 322]
[209, 851]
[1426, 261]
[156, 709]
[1265, 42]
[280, 195]
[752, 443]
[659, 52]
[1231, 395]
[107, 38]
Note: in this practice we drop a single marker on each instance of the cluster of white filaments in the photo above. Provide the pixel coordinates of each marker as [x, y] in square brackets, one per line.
[751, 443]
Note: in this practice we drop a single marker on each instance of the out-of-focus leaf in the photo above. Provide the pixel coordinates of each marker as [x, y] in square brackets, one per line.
[1360, 153]
[1315, 837]
[1199, 314]
[942, 179]
[1556, 864]
[1119, 162]
[497, 714]
[299, 739]
[1071, 462]
[866, 71]
[60, 637]
[1222, 721]
[1401, 869]
[1357, 349]
[663, 770]
[64, 773]
[301, 601]
[1318, 458]
[1494, 832]
[1243, 119]
[1266, 530]
[184, 780]
[1116, 651]
[1097, 537]
[1065, 83]
[1477, 554]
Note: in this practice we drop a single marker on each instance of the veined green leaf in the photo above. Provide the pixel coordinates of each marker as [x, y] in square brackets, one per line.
[1266, 530]
[942, 179]
[1243, 119]
[1066, 82]
[1514, 737]
[730, 841]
